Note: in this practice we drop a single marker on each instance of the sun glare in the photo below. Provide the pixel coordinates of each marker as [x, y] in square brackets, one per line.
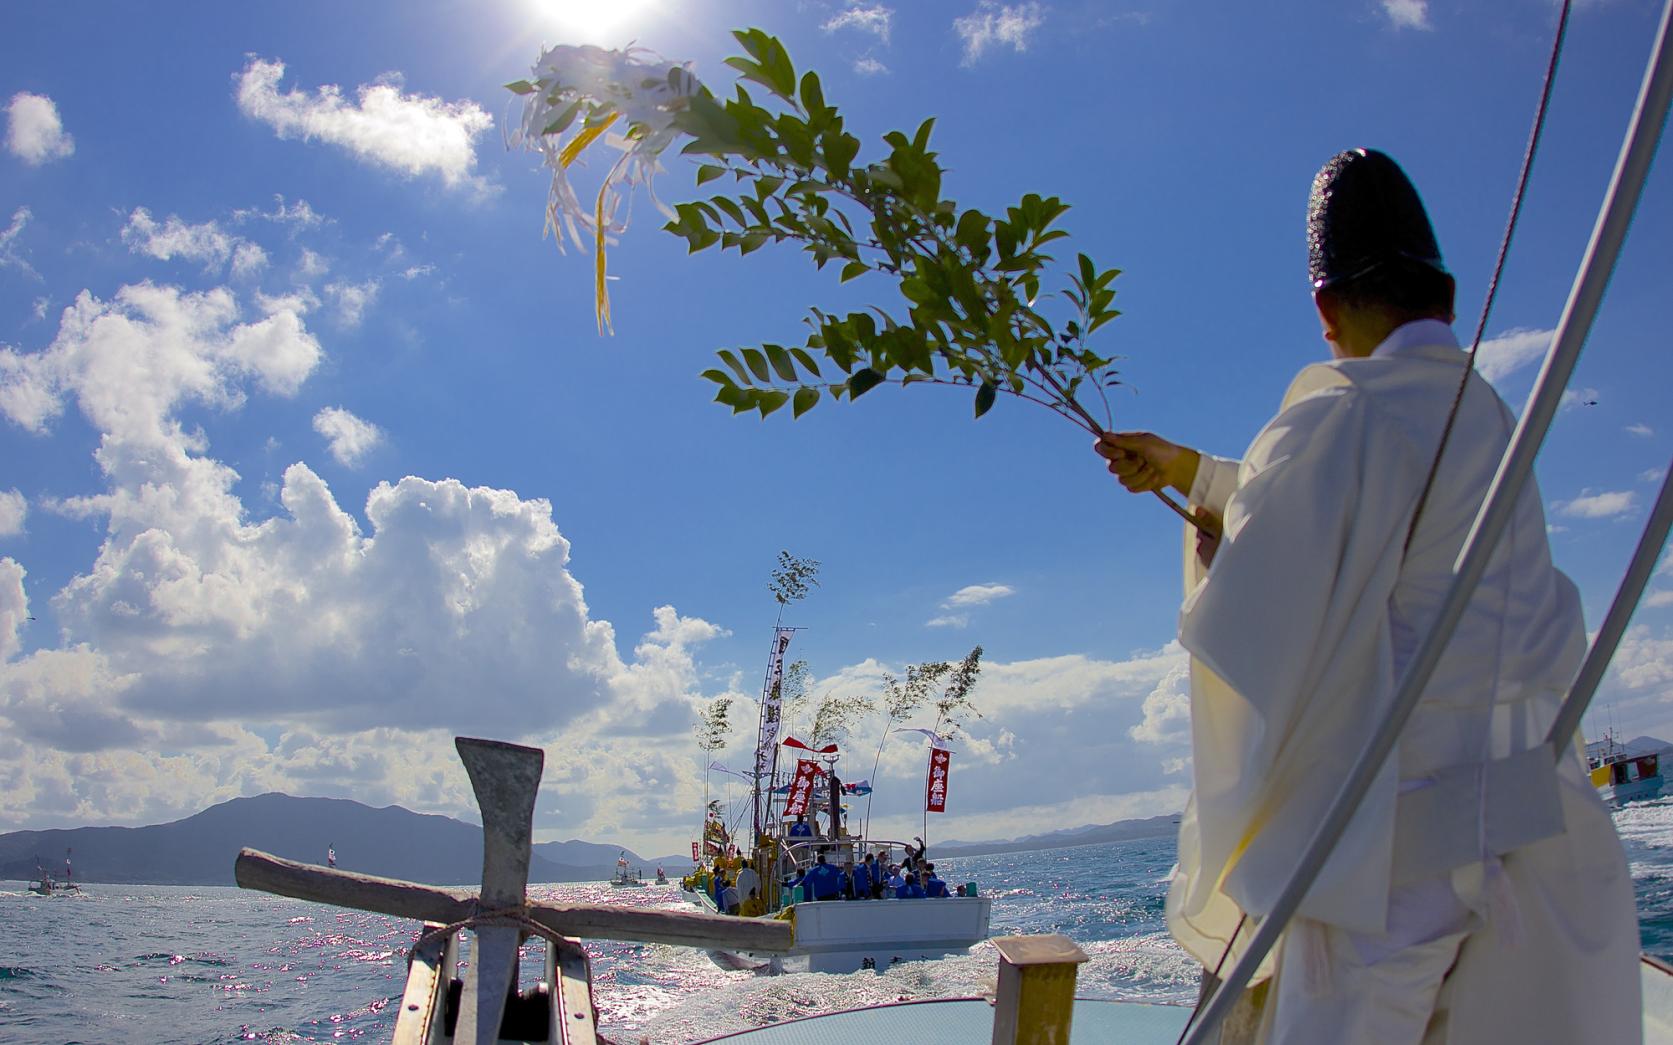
[608, 23]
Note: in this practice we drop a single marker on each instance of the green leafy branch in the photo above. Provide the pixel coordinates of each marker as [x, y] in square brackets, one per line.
[971, 282]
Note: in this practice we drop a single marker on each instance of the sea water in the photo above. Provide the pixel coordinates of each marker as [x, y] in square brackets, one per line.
[175, 964]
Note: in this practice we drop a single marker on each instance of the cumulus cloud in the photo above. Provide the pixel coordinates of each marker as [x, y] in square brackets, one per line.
[995, 25]
[866, 18]
[1408, 14]
[1659, 599]
[1641, 429]
[949, 620]
[348, 437]
[1603, 505]
[1167, 709]
[130, 362]
[14, 509]
[1504, 355]
[194, 627]
[34, 133]
[206, 243]
[410, 134]
[9, 256]
[978, 595]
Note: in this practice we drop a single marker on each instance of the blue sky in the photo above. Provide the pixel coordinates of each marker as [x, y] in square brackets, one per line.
[311, 456]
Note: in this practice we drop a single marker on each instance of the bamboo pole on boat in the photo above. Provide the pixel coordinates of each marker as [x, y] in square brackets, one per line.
[1631, 169]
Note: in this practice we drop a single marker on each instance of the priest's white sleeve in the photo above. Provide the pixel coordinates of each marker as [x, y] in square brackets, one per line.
[1215, 482]
[1292, 657]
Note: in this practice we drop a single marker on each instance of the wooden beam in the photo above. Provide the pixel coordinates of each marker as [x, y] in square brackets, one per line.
[1036, 995]
[272, 874]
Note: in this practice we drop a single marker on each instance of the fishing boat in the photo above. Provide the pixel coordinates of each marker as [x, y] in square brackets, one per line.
[840, 935]
[1621, 774]
[45, 885]
[626, 877]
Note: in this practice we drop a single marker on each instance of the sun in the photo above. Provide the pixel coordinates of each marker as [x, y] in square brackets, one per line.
[608, 23]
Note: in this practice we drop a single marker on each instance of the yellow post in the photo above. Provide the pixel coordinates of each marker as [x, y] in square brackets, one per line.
[1036, 995]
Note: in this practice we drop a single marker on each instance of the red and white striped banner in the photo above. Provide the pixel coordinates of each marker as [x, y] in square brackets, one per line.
[801, 788]
[935, 795]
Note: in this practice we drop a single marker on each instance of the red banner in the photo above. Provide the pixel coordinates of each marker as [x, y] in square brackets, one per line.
[801, 788]
[935, 797]
[694, 855]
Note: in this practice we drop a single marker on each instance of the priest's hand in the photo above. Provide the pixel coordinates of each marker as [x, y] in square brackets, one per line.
[1144, 461]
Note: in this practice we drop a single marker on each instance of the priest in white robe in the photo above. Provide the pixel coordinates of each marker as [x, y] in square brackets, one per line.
[1480, 893]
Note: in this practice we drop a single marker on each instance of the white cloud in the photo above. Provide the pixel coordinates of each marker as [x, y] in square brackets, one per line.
[1598, 505]
[1641, 429]
[1408, 14]
[1167, 709]
[992, 24]
[205, 243]
[40, 307]
[34, 133]
[312, 266]
[14, 508]
[9, 256]
[348, 437]
[1652, 475]
[298, 215]
[866, 65]
[978, 595]
[1502, 356]
[353, 299]
[1644, 661]
[194, 628]
[1659, 599]
[866, 18]
[407, 133]
[948, 620]
[1574, 397]
[14, 608]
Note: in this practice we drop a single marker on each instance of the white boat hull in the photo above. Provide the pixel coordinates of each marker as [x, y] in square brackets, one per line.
[844, 936]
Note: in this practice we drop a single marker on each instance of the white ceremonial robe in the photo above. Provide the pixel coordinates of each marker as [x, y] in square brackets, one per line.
[1298, 636]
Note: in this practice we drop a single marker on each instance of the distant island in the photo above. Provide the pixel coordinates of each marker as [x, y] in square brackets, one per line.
[392, 842]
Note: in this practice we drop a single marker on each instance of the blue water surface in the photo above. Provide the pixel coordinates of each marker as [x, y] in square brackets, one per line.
[219, 965]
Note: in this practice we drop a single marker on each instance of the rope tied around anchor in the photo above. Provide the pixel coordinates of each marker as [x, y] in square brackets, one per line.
[518, 916]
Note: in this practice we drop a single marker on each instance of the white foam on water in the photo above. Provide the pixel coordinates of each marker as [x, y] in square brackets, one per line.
[1646, 824]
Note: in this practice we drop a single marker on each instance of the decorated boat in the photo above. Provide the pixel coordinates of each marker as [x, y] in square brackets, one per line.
[839, 928]
[626, 877]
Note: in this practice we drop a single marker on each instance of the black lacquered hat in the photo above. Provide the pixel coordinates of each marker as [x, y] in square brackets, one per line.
[1364, 213]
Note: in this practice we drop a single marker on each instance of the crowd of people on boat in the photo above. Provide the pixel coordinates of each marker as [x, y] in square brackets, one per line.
[735, 887]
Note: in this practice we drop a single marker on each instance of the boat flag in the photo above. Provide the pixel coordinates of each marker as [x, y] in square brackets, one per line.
[801, 787]
[828, 749]
[858, 787]
[935, 739]
[772, 700]
[935, 797]
[330, 856]
[694, 857]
